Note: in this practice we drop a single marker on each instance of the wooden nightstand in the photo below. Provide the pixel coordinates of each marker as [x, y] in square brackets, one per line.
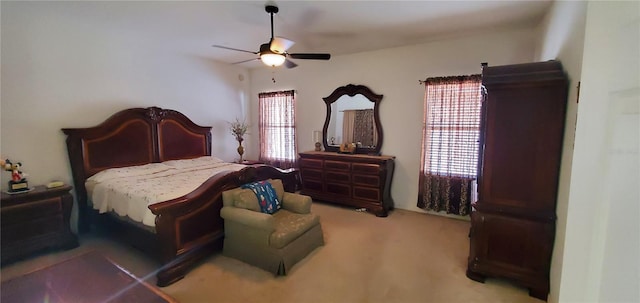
[35, 221]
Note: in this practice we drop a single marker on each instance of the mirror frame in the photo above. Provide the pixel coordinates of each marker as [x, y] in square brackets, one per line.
[352, 90]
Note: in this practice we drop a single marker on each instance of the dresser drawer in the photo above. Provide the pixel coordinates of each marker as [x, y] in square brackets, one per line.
[312, 185]
[338, 177]
[366, 193]
[20, 213]
[308, 173]
[360, 168]
[311, 163]
[337, 165]
[340, 189]
[366, 180]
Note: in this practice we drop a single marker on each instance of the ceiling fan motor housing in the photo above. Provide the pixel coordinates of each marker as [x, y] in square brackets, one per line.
[265, 49]
[271, 9]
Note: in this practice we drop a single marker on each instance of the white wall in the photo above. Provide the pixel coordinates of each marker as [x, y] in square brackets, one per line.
[602, 239]
[60, 69]
[393, 73]
[562, 38]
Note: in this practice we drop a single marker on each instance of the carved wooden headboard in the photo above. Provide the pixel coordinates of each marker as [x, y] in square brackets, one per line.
[134, 136]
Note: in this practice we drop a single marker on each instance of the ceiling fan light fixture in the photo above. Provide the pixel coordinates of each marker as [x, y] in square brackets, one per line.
[272, 59]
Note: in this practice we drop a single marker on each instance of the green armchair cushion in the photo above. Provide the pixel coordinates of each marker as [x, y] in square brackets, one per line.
[246, 199]
[296, 203]
[254, 219]
[289, 226]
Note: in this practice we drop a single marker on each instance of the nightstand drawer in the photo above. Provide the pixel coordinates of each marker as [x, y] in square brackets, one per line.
[30, 211]
[34, 228]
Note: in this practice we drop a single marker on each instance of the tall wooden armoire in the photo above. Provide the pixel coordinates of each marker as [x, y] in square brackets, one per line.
[513, 220]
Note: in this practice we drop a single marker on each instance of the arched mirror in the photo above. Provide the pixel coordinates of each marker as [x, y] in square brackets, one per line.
[352, 117]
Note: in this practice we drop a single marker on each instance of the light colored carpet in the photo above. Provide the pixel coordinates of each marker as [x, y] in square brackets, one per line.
[406, 257]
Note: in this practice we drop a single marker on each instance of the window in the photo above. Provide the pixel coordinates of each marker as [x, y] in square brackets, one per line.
[451, 132]
[277, 127]
[452, 126]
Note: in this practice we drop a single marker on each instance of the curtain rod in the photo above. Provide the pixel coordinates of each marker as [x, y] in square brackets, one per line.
[346, 110]
[278, 92]
[482, 65]
[438, 79]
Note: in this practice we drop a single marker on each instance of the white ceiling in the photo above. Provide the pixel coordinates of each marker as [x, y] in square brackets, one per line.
[336, 27]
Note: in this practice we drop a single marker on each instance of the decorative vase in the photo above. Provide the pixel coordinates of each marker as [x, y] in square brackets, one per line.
[240, 150]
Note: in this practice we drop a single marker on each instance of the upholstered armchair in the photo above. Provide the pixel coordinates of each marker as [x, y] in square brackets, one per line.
[273, 242]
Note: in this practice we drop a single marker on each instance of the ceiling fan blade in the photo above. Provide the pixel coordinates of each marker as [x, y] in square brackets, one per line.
[280, 45]
[311, 56]
[235, 49]
[243, 61]
[290, 64]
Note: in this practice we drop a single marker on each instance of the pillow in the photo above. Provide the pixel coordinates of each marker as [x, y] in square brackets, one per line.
[246, 199]
[266, 196]
[191, 163]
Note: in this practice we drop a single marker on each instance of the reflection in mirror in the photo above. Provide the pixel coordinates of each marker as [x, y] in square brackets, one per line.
[353, 117]
[352, 121]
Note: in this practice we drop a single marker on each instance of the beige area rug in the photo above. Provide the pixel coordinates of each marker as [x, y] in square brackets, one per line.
[406, 257]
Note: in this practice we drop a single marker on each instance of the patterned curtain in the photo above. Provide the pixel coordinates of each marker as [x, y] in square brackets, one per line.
[277, 127]
[364, 127]
[451, 130]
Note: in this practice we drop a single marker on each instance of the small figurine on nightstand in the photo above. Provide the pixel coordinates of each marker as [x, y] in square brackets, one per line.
[18, 180]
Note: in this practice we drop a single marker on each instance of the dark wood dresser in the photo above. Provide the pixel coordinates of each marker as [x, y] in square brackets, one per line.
[513, 222]
[355, 180]
[35, 221]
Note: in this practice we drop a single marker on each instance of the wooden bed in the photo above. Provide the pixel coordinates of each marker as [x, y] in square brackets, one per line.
[187, 228]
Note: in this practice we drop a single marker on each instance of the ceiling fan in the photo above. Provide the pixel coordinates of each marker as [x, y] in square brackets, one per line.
[274, 52]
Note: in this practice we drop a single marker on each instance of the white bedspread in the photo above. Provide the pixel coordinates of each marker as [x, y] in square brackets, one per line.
[129, 191]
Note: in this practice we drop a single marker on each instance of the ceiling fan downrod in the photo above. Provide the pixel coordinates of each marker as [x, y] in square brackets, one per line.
[271, 9]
